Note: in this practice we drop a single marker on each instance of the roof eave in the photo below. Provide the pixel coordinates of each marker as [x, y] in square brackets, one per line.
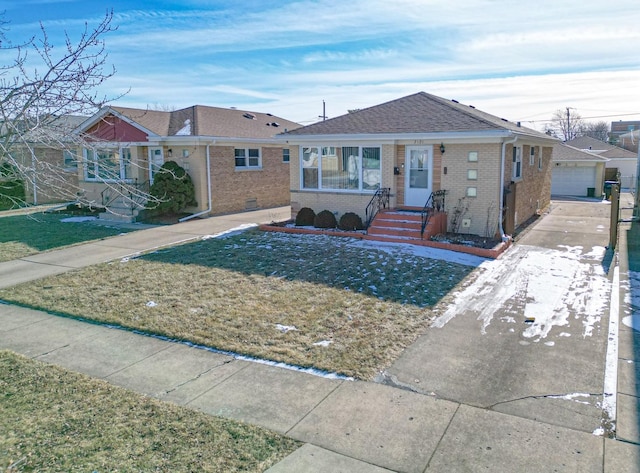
[491, 135]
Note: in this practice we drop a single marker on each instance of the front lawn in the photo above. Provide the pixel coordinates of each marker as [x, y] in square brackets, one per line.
[54, 420]
[336, 304]
[25, 235]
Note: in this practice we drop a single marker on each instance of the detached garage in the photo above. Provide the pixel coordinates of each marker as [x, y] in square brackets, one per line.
[576, 173]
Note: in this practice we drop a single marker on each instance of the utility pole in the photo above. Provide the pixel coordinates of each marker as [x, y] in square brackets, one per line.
[324, 112]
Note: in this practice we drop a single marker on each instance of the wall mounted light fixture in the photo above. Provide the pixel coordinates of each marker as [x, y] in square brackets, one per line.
[442, 148]
[170, 152]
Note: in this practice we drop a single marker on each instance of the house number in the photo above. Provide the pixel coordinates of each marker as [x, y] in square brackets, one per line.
[418, 142]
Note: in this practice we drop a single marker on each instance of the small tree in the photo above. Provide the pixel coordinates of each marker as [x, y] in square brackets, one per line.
[172, 190]
[41, 88]
[567, 124]
[598, 130]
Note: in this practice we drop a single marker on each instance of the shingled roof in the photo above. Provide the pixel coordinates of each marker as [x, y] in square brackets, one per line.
[562, 152]
[415, 114]
[200, 120]
[600, 147]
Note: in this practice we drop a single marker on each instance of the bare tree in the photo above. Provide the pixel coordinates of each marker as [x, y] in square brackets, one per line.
[567, 123]
[44, 94]
[598, 130]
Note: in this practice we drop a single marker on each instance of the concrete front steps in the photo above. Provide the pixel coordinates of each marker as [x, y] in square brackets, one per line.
[403, 225]
[121, 210]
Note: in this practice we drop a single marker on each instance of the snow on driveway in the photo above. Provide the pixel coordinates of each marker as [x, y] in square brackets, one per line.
[547, 288]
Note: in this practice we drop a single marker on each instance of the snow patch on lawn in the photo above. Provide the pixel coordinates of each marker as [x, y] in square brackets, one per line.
[232, 231]
[286, 328]
[77, 219]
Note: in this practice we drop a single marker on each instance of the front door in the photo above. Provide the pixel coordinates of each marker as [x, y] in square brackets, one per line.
[156, 160]
[418, 175]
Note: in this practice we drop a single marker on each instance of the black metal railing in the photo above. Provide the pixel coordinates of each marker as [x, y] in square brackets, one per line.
[380, 200]
[435, 204]
[134, 194]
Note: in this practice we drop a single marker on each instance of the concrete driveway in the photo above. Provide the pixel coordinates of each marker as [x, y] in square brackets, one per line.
[528, 336]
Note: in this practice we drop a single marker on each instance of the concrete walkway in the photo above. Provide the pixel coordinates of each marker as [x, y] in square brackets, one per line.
[348, 426]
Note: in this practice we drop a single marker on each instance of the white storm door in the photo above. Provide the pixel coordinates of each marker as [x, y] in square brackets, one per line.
[156, 160]
[418, 175]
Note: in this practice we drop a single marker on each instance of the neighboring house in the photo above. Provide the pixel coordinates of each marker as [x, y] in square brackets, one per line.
[620, 128]
[621, 163]
[496, 174]
[629, 141]
[51, 172]
[576, 172]
[231, 155]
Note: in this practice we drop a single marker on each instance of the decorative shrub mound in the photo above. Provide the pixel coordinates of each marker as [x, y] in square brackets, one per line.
[173, 190]
[305, 217]
[325, 219]
[12, 192]
[350, 221]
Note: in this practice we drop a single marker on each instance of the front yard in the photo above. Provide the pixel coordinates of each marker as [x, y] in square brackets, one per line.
[54, 420]
[25, 235]
[335, 304]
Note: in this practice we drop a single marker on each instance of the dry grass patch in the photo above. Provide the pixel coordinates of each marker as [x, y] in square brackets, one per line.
[312, 301]
[24, 235]
[55, 420]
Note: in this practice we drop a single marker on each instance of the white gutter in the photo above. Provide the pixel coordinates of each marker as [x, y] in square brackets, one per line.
[189, 217]
[502, 166]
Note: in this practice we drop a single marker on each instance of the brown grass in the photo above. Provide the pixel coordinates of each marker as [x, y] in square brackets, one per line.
[54, 420]
[231, 293]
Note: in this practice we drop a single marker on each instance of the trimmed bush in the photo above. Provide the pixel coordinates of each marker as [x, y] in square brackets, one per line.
[350, 221]
[305, 217]
[325, 219]
[173, 189]
[12, 192]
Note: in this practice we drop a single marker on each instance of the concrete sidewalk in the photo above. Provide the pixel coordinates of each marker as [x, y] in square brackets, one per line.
[347, 426]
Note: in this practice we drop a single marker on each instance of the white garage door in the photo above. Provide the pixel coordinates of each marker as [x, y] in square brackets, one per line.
[572, 180]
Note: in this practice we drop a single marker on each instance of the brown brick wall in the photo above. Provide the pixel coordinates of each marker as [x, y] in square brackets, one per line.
[533, 191]
[235, 190]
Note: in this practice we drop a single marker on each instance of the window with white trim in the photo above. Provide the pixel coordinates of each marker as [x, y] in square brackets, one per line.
[540, 159]
[286, 156]
[70, 160]
[248, 158]
[107, 164]
[344, 168]
[532, 155]
[517, 163]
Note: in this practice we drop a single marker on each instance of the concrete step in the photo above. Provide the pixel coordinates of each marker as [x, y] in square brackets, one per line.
[413, 233]
[117, 217]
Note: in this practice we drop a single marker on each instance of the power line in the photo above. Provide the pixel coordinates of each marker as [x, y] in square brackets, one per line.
[587, 118]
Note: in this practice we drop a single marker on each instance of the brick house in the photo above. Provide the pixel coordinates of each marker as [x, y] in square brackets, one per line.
[231, 155]
[496, 174]
[50, 170]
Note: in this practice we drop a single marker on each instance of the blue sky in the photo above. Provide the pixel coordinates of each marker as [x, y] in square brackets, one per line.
[518, 60]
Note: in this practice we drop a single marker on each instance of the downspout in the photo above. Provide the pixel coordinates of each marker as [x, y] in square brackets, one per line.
[502, 167]
[189, 217]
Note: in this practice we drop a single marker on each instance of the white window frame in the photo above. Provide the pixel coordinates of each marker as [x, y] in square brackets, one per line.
[248, 158]
[540, 159]
[90, 162]
[532, 155]
[516, 168]
[286, 155]
[70, 160]
[332, 150]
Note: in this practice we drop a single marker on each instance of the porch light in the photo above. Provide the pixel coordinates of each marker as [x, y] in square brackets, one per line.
[442, 148]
